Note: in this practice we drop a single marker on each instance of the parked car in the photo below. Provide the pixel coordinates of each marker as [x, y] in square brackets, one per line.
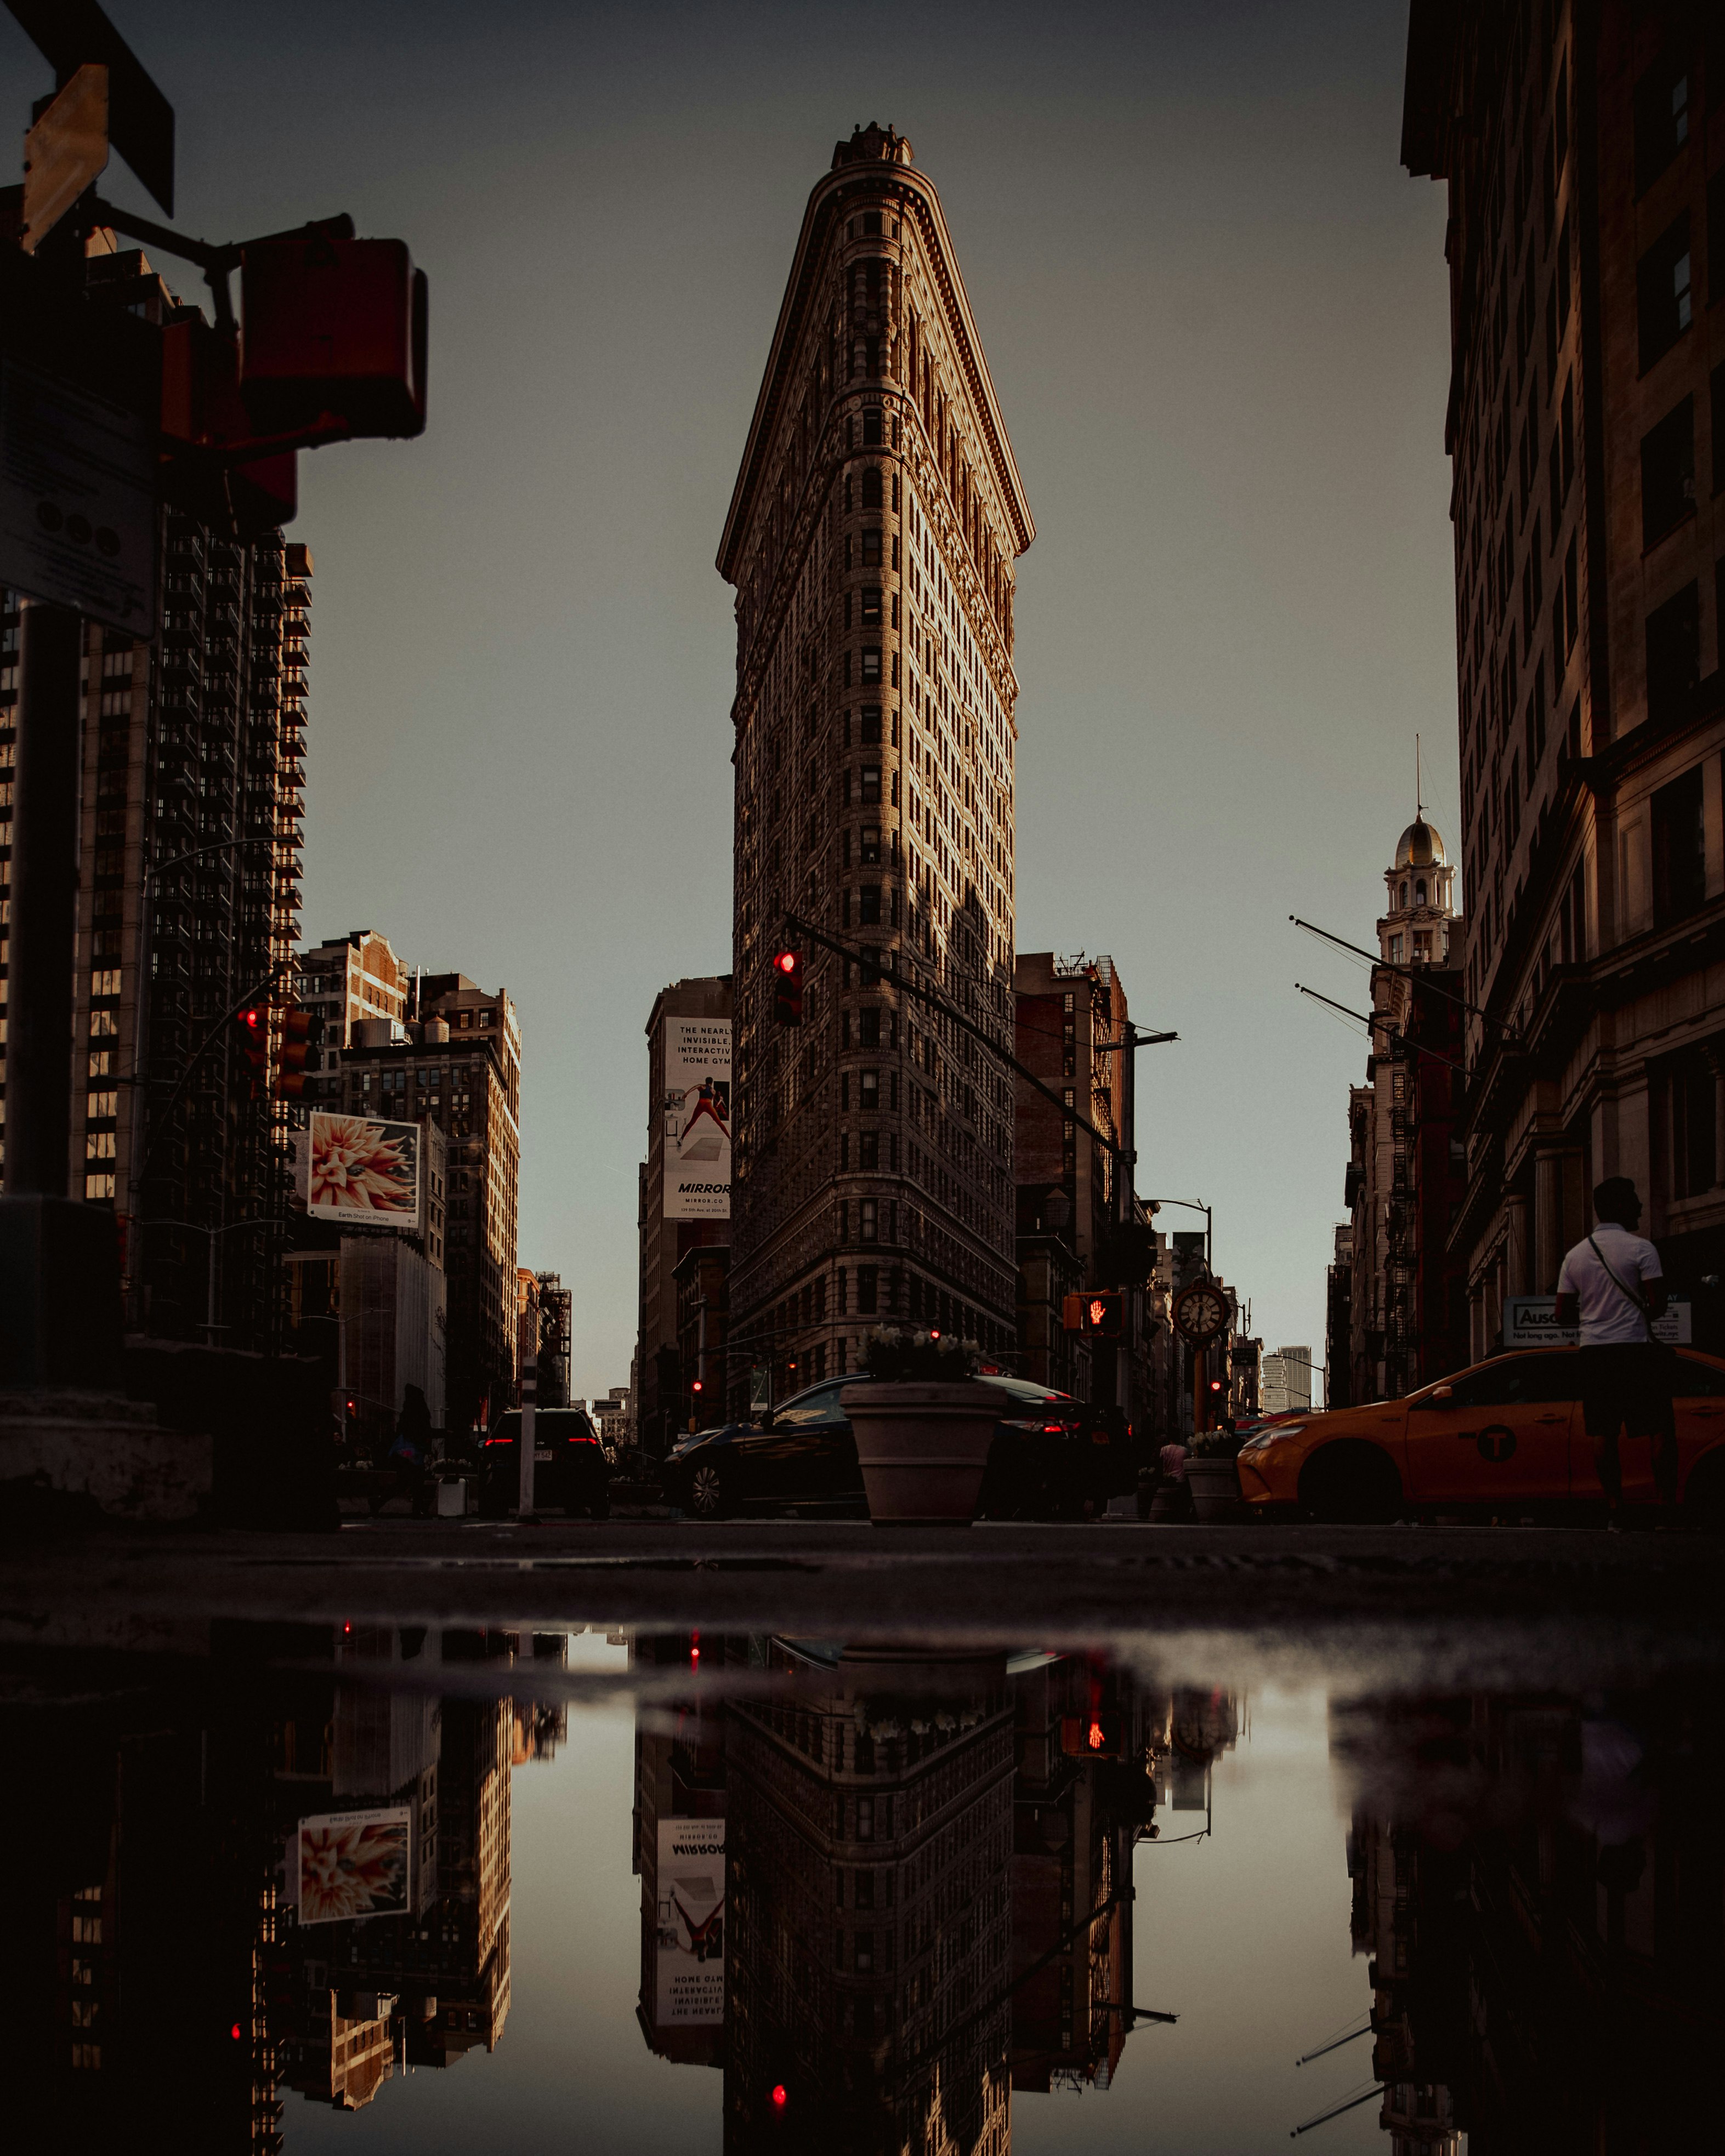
[570, 1470]
[1051, 1456]
[1505, 1434]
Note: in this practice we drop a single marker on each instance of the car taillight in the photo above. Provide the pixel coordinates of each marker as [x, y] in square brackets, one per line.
[499, 1440]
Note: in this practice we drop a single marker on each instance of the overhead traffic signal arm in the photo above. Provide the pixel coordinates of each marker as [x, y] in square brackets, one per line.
[797, 928]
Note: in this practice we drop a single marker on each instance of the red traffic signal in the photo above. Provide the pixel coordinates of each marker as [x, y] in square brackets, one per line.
[254, 1026]
[334, 334]
[301, 1033]
[787, 988]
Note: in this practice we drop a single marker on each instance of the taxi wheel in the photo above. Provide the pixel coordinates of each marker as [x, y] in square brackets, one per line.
[1356, 1484]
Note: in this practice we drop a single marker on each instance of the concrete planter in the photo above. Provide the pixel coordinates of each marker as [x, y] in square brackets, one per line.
[922, 1448]
[1215, 1484]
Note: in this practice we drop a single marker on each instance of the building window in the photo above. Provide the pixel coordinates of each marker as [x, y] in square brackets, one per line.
[844, 1152]
[872, 482]
[871, 663]
[871, 726]
[1686, 1103]
[1661, 118]
[871, 538]
[868, 1026]
[869, 905]
[1422, 946]
[1666, 303]
[1719, 377]
[871, 776]
[1396, 948]
[867, 1231]
[870, 604]
[869, 1090]
[868, 1277]
[1680, 863]
[869, 842]
[871, 431]
[868, 1150]
[1668, 472]
[1673, 654]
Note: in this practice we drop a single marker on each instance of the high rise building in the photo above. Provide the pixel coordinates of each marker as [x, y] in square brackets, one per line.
[1405, 1182]
[1284, 1381]
[456, 1063]
[678, 1216]
[871, 541]
[1073, 1199]
[556, 1308]
[344, 984]
[1579, 142]
[189, 896]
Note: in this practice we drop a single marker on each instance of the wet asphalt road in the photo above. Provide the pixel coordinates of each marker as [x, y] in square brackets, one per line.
[1434, 1599]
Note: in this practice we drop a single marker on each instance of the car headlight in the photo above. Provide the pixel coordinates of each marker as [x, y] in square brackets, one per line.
[1266, 1438]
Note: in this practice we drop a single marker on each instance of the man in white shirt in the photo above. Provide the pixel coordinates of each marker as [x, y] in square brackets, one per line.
[1612, 1285]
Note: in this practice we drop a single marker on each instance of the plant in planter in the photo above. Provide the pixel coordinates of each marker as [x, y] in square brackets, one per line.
[896, 1355]
[923, 1425]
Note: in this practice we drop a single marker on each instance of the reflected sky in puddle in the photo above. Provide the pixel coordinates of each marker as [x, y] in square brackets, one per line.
[362, 1889]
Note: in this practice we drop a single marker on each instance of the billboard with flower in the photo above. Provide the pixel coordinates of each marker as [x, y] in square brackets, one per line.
[354, 1864]
[361, 1171]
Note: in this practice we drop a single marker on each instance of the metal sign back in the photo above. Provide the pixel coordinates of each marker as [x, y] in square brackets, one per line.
[78, 514]
[140, 121]
[64, 152]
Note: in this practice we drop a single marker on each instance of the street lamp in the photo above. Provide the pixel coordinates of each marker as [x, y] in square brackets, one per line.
[1194, 1205]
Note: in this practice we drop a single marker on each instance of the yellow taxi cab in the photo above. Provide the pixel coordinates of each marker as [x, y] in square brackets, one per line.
[1505, 1435]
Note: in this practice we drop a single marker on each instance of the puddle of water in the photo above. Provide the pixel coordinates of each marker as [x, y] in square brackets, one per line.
[360, 1888]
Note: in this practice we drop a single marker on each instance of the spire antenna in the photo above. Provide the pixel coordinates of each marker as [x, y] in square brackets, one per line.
[1419, 803]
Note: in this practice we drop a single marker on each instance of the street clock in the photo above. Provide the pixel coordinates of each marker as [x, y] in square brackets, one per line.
[1200, 1312]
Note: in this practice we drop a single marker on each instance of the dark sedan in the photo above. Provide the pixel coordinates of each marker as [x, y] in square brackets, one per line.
[571, 1472]
[1052, 1457]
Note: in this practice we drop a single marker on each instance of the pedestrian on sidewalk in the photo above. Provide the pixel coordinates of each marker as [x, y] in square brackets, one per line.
[1612, 1285]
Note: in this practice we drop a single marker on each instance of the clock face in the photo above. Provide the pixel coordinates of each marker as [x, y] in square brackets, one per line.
[1201, 1313]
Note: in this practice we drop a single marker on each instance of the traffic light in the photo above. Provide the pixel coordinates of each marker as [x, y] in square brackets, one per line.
[254, 1024]
[787, 988]
[301, 1033]
[1101, 1314]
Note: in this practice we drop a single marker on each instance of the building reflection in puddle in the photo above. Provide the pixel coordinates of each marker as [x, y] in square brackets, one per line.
[884, 1890]
[299, 1883]
[1539, 1883]
[920, 1861]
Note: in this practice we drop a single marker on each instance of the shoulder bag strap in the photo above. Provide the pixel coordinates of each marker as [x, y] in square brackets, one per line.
[1629, 1293]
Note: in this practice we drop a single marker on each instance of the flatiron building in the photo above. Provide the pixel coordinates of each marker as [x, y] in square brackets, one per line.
[871, 543]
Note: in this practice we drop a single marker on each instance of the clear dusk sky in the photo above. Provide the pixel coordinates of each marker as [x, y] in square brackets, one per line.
[1214, 307]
